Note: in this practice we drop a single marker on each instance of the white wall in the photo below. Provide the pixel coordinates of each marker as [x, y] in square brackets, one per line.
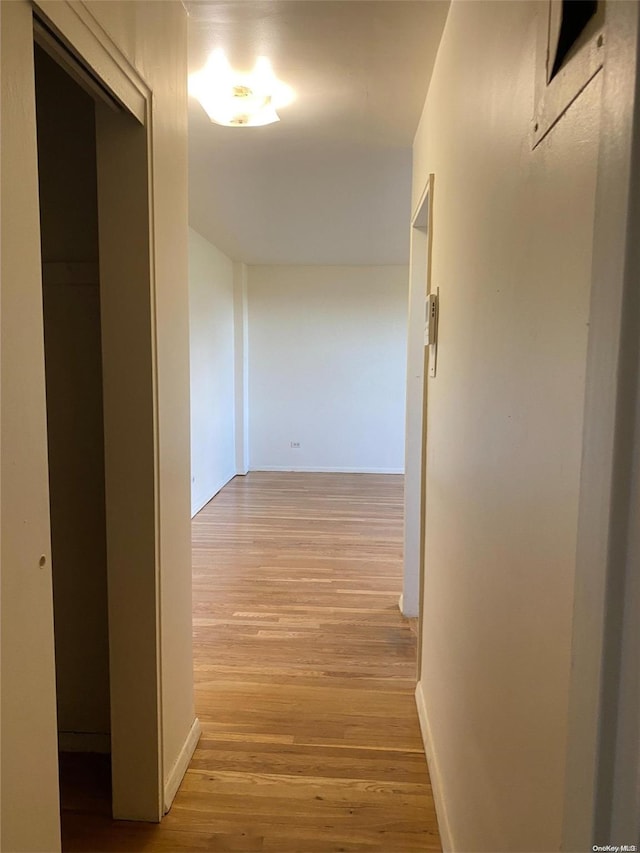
[512, 258]
[212, 321]
[241, 338]
[327, 362]
[313, 354]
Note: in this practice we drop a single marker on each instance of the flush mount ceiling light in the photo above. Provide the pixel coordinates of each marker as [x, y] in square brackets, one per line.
[237, 99]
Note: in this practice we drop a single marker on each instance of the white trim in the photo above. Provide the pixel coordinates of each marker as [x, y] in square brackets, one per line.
[84, 742]
[202, 503]
[418, 363]
[311, 470]
[554, 97]
[434, 773]
[178, 770]
[83, 35]
[410, 612]
[420, 215]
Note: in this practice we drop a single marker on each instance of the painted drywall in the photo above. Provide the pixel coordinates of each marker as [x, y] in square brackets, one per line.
[511, 256]
[241, 339]
[327, 362]
[69, 234]
[153, 37]
[213, 367]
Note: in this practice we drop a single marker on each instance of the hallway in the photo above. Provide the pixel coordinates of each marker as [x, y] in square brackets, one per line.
[305, 673]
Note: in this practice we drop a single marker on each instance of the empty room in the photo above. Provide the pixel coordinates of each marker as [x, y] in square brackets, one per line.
[299, 297]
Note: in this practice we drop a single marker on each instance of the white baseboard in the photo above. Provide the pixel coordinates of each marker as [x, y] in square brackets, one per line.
[84, 742]
[201, 504]
[411, 614]
[305, 469]
[434, 773]
[172, 783]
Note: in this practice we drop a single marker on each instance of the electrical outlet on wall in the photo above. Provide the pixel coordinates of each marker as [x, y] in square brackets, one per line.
[295, 444]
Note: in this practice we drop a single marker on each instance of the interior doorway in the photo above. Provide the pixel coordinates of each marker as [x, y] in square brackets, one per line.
[418, 356]
[67, 178]
[93, 161]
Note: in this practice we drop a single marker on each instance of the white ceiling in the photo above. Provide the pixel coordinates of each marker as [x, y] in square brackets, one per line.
[329, 183]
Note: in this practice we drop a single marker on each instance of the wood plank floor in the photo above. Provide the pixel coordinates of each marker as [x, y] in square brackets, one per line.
[305, 672]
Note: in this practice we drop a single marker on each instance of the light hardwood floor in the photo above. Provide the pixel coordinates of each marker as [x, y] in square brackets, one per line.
[305, 672]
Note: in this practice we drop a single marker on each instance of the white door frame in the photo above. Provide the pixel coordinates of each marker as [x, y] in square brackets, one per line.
[416, 412]
[602, 796]
[127, 297]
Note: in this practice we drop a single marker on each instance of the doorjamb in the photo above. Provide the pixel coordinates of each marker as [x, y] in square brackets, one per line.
[415, 452]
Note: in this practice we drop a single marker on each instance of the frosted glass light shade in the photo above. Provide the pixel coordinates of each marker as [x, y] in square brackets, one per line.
[239, 100]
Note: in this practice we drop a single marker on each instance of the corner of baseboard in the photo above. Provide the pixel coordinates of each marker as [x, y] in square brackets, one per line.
[434, 773]
[309, 469]
[411, 613]
[172, 783]
[226, 478]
